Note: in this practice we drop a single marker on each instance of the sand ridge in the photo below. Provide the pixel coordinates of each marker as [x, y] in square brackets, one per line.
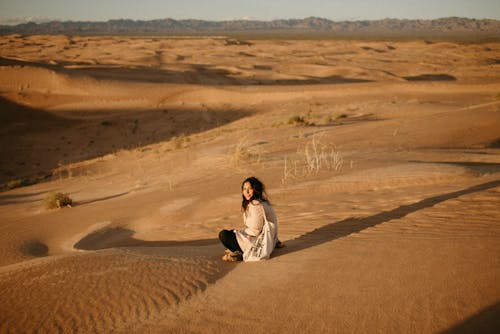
[396, 229]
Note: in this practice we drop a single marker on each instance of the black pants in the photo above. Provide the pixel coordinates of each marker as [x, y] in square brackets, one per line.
[228, 239]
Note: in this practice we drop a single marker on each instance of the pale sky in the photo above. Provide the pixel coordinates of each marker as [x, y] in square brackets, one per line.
[102, 10]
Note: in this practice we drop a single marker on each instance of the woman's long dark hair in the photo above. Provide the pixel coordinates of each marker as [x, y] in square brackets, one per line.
[259, 192]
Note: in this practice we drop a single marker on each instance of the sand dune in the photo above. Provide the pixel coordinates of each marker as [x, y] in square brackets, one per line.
[396, 231]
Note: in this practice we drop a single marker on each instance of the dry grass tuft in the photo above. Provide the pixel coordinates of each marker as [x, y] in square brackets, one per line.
[314, 157]
[321, 156]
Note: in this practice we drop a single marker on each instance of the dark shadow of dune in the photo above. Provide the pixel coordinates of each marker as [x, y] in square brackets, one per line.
[369, 48]
[494, 144]
[493, 61]
[487, 321]
[38, 142]
[122, 237]
[204, 74]
[13, 116]
[34, 248]
[431, 77]
[6, 199]
[479, 168]
[350, 226]
[334, 79]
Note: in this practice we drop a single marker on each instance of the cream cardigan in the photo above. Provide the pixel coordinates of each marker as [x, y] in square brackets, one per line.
[254, 221]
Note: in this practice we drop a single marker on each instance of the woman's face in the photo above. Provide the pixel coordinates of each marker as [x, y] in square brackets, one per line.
[247, 191]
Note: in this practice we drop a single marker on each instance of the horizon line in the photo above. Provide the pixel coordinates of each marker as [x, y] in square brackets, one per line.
[39, 20]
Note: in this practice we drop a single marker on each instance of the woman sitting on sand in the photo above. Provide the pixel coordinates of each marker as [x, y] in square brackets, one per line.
[260, 237]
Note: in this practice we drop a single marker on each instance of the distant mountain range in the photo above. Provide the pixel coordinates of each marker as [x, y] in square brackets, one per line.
[310, 25]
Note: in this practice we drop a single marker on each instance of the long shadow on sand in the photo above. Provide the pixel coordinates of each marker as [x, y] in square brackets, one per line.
[205, 74]
[479, 168]
[355, 225]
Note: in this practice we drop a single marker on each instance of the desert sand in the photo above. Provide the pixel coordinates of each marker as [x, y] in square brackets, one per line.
[381, 159]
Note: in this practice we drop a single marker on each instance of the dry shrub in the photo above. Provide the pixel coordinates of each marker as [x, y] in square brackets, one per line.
[57, 200]
[242, 153]
[14, 184]
[180, 141]
[297, 120]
